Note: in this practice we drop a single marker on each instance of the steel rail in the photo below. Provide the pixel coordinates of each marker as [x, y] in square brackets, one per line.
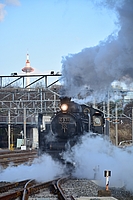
[6, 194]
[61, 194]
[6, 187]
[25, 189]
[22, 193]
[28, 191]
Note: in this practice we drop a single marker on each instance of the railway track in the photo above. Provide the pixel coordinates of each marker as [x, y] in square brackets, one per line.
[64, 188]
[27, 189]
[81, 189]
[16, 157]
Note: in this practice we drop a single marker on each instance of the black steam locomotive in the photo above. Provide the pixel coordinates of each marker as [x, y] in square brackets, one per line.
[67, 125]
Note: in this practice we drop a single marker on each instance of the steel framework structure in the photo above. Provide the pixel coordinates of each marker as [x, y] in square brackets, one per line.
[27, 101]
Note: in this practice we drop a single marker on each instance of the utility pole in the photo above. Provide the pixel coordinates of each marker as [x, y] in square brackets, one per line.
[116, 125]
[24, 126]
[41, 99]
[9, 129]
[54, 103]
[108, 115]
[105, 128]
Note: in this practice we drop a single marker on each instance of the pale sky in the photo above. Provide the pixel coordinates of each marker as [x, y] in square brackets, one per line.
[49, 30]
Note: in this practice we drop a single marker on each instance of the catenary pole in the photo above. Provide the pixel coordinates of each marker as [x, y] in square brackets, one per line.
[24, 126]
[116, 125]
[9, 129]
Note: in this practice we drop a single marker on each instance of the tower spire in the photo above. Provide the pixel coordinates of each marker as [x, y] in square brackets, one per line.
[27, 69]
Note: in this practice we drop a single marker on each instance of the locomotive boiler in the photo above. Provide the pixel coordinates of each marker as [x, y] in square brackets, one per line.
[67, 126]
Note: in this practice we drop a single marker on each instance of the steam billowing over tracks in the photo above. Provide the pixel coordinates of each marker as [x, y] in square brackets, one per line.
[61, 188]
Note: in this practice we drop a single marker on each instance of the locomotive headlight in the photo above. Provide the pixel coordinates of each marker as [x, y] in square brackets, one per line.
[97, 121]
[64, 107]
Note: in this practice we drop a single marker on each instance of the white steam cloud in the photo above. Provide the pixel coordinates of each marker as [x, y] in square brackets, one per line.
[42, 169]
[13, 2]
[2, 11]
[95, 68]
[6, 3]
[94, 155]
